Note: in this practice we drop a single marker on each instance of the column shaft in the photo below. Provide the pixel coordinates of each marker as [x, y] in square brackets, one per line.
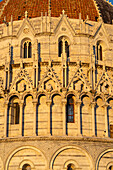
[49, 118]
[106, 120]
[21, 119]
[5, 120]
[79, 117]
[34, 121]
[64, 102]
[93, 118]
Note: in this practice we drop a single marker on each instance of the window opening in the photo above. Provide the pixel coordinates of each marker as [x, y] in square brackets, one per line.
[70, 167]
[27, 49]
[99, 52]
[26, 167]
[70, 110]
[111, 167]
[63, 47]
[67, 48]
[15, 113]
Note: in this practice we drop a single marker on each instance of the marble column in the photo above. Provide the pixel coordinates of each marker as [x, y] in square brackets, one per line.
[79, 117]
[64, 102]
[5, 119]
[49, 119]
[21, 104]
[35, 103]
[93, 104]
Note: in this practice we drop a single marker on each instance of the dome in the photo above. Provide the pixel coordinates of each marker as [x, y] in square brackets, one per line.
[34, 8]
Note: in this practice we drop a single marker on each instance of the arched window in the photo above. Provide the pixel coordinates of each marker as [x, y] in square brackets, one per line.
[63, 46]
[70, 167]
[111, 167]
[26, 167]
[27, 49]
[70, 109]
[15, 111]
[99, 52]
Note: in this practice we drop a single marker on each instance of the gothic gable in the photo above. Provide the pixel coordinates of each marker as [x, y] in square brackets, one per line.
[79, 81]
[64, 25]
[21, 82]
[105, 84]
[50, 81]
[26, 28]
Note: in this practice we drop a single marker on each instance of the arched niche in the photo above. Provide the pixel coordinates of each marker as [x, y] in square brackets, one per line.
[56, 115]
[86, 116]
[26, 155]
[100, 117]
[13, 116]
[105, 160]
[74, 155]
[28, 115]
[42, 119]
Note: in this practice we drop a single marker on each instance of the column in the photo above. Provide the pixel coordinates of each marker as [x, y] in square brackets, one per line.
[93, 118]
[106, 120]
[64, 102]
[79, 117]
[5, 120]
[49, 119]
[35, 102]
[21, 118]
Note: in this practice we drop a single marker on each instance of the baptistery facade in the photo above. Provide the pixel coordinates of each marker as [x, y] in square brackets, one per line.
[56, 85]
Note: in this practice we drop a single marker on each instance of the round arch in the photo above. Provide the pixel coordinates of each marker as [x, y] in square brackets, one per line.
[22, 148]
[70, 147]
[100, 157]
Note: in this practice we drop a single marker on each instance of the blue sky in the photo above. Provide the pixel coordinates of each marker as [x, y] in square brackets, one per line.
[107, 0]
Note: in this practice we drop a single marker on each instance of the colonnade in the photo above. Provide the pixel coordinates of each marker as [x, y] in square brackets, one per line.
[64, 103]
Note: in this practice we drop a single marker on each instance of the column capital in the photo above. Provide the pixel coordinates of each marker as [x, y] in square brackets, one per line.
[48, 101]
[78, 102]
[21, 102]
[64, 101]
[35, 101]
[6, 103]
[93, 104]
[105, 105]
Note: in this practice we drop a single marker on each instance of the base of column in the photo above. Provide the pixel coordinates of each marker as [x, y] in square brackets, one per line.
[79, 135]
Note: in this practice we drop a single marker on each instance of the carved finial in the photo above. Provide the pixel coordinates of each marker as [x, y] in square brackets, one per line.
[26, 14]
[49, 8]
[63, 12]
[80, 16]
[87, 17]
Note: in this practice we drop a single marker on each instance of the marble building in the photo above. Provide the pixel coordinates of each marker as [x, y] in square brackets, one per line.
[56, 85]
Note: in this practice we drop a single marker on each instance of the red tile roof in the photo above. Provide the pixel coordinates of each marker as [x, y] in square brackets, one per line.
[35, 7]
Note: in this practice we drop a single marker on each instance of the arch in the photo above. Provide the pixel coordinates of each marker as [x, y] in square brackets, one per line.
[10, 156]
[25, 94]
[29, 162]
[107, 164]
[73, 162]
[72, 92]
[40, 93]
[13, 95]
[63, 44]
[71, 147]
[99, 96]
[55, 92]
[56, 121]
[101, 47]
[26, 51]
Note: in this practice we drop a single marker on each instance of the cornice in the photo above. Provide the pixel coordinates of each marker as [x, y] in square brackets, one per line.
[54, 138]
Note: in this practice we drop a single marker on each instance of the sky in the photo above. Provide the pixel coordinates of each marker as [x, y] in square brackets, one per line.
[107, 0]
